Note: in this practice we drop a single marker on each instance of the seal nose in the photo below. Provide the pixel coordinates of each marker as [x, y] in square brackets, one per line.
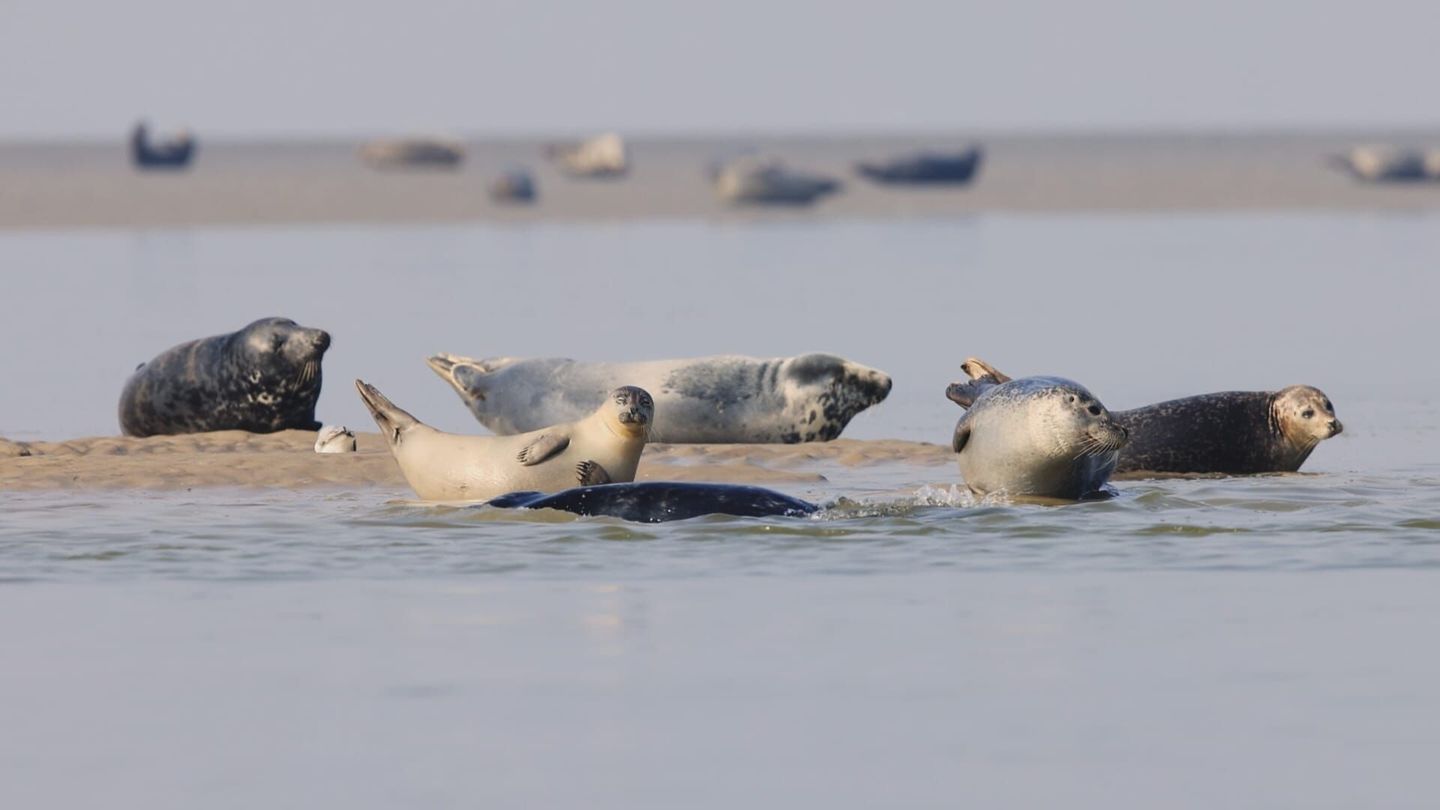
[1336, 427]
[321, 340]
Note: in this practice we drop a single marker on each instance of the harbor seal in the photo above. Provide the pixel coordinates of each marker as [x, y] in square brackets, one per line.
[662, 501]
[263, 378]
[335, 439]
[603, 447]
[1229, 432]
[1042, 437]
[721, 400]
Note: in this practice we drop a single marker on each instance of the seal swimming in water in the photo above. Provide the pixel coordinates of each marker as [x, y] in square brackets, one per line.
[1229, 432]
[661, 501]
[603, 447]
[1037, 437]
[721, 400]
[263, 378]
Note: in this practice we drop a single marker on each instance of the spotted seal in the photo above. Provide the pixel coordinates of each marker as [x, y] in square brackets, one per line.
[1043, 437]
[603, 447]
[723, 399]
[263, 378]
[662, 501]
[1229, 432]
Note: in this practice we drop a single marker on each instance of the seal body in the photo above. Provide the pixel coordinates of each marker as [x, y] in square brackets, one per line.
[661, 501]
[263, 378]
[602, 448]
[723, 399]
[1233, 432]
[1036, 437]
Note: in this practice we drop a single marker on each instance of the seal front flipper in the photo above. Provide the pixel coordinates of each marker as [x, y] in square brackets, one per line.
[962, 435]
[591, 474]
[542, 448]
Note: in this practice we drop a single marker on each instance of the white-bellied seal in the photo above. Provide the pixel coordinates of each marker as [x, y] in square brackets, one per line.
[1229, 432]
[263, 378]
[602, 448]
[721, 400]
[661, 501]
[1042, 437]
[335, 439]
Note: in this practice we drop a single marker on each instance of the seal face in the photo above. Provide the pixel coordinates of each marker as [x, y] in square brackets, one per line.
[662, 501]
[1230, 432]
[720, 399]
[1036, 436]
[602, 448]
[263, 378]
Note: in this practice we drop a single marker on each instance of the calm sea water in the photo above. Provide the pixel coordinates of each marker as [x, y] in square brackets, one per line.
[1254, 642]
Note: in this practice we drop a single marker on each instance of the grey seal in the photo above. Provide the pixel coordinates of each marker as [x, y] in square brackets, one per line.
[1228, 432]
[263, 378]
[722, 399]
[1044, 437]
[602, 448]
[662, 501]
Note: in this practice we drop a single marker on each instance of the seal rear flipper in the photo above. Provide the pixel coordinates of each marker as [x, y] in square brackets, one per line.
[515, 500]
[592, 474]
[542, 448]
[387, 415]
[977, 369]
[964, 394]
[466, 374]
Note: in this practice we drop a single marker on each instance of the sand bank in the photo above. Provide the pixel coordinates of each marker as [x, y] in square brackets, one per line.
[93, 185]
[238, 459]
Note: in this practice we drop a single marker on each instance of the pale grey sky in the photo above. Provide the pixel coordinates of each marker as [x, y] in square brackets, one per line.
[322, 67]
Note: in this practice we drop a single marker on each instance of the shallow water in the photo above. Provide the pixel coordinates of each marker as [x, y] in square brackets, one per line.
[1252, 642]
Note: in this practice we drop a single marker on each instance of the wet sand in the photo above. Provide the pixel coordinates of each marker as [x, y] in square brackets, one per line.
[92, 184]
[288, 460]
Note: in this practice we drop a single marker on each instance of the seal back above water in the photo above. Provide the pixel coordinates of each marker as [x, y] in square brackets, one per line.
[662, 501]
[263, 378]
[721, 399]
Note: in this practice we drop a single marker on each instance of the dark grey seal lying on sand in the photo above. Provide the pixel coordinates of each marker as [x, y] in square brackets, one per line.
[263, 378]
[661, 501]
[1043, 437]
[1230, 432]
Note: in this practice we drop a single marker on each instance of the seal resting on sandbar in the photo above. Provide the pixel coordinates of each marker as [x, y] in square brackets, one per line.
[1044, 437]
[706, 400]
[661, 501]
[602, 448]
[263, 378]
[1229, 432]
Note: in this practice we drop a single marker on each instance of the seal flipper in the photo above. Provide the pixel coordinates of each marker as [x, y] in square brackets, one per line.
[542, 448]
[466, 374]
[964, 394]
[962, 435]
[592, 474]
[978, 369]
[391, 420]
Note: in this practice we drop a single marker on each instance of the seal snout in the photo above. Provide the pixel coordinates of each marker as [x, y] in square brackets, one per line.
[1335, 427]
[320, 340]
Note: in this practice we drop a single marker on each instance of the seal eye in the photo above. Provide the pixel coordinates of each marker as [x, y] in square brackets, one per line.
[1070, 398]
[1094, 410]
[1308, 413]
[1328, 407]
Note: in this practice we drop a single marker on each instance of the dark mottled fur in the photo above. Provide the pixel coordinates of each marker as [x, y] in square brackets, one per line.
[263, 378]
[1229, 432]
[660, 501]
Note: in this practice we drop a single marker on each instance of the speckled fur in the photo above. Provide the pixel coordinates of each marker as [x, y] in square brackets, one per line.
[712, 399]
[263, 378]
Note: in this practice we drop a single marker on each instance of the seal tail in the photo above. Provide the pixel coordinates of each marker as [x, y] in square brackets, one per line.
[389, 417]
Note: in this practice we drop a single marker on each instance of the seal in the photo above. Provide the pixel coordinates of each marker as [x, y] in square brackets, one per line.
[263, 378]
[335, 439]
[603, 447]
[1044, 437]
[1228, 432]
[708, 400]
[662, 501]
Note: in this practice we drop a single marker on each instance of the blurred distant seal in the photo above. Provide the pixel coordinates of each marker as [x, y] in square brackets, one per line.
[1231, 432]
[335, 439]
[602, 448]
[661, 501]
[263, 378]
[723, 399]
[1037, 437]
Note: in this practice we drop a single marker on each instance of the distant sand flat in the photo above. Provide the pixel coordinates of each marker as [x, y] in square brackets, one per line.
[287, 459]
[92, 185]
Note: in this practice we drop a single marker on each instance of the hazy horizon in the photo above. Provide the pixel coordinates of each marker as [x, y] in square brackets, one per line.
[325, 69]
